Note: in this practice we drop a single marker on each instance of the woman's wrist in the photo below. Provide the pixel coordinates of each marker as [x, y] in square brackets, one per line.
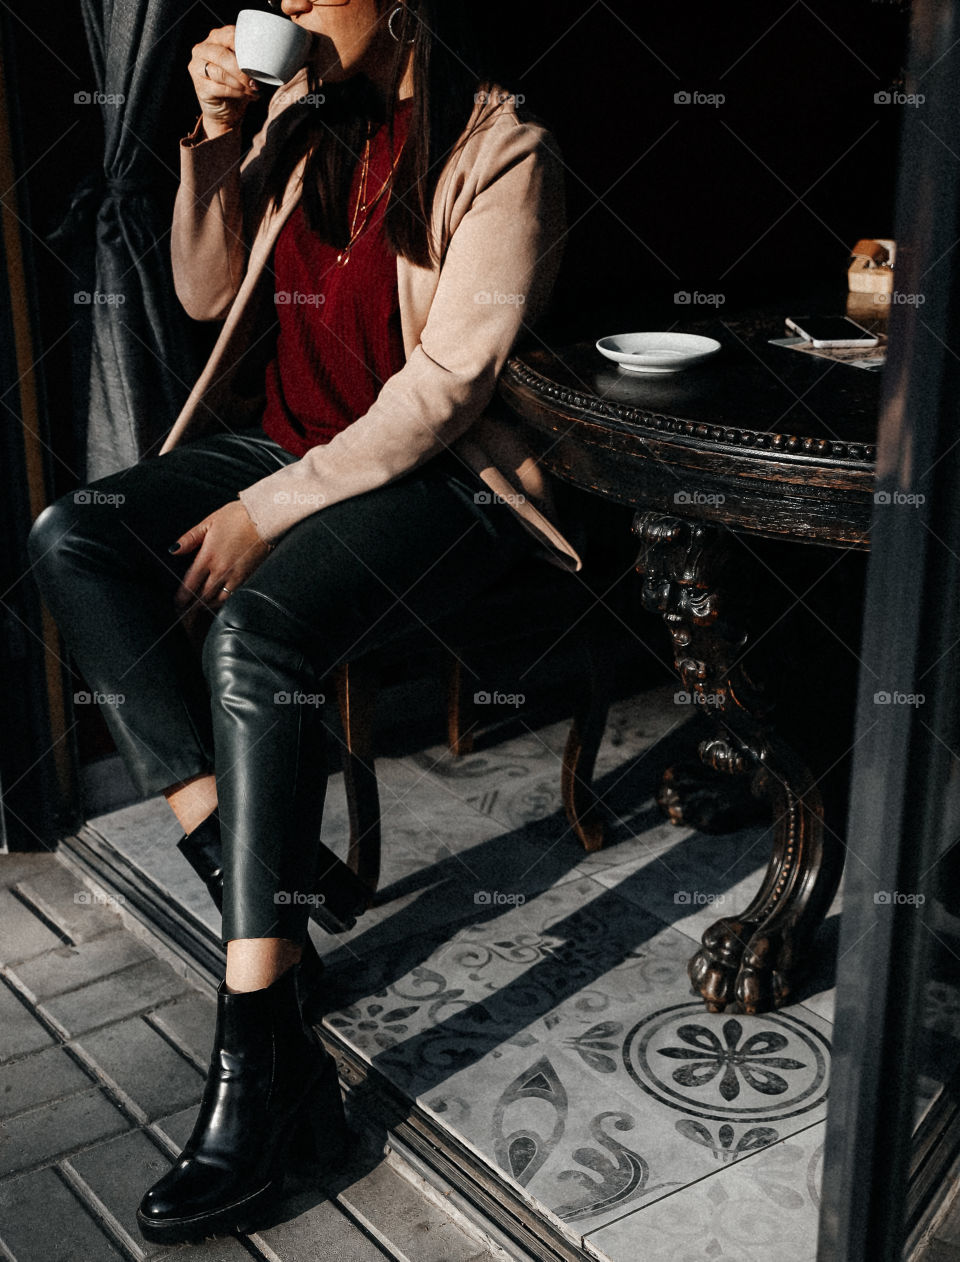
[212, 128]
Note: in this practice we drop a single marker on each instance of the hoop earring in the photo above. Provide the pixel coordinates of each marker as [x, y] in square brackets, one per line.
[397, 8]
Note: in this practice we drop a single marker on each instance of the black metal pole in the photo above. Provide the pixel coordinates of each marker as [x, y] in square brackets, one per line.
[905, 776]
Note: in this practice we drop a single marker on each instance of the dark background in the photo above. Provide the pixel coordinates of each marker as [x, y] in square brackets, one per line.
[757, 197]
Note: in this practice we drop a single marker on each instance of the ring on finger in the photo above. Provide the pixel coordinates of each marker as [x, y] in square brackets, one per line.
[225, 589]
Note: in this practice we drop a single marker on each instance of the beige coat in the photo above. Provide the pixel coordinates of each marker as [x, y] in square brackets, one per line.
[499, 214]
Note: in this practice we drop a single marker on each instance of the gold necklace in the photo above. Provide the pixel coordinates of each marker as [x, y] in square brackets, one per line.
[363, 207]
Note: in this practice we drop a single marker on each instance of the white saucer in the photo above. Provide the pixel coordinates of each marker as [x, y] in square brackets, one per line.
[657, 352]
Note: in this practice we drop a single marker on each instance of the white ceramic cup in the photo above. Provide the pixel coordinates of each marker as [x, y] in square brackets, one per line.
[269, 47]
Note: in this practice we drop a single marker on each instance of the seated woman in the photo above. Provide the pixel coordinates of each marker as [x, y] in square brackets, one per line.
[339, 475]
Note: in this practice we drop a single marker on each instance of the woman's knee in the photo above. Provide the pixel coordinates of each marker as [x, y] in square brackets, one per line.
[248, 626]
[52, 533]
[92, 527]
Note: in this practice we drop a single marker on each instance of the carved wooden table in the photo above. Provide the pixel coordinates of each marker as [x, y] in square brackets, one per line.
[761, 441]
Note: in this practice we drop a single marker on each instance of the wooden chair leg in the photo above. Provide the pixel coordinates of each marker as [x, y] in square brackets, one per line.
[583, 809]
[357, 698]
[459, 710]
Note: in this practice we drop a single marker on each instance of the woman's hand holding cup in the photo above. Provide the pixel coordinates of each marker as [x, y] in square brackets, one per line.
[223, 90]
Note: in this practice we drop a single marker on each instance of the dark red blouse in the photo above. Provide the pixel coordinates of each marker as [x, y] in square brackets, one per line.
[339, 336]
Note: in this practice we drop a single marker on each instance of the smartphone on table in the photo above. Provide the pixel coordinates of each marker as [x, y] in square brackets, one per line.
[832, 331]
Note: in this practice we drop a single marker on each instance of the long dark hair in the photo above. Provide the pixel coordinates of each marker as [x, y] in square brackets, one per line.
[449, 70]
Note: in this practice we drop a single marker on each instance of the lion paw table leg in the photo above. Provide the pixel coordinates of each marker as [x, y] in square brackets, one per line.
[749, 962]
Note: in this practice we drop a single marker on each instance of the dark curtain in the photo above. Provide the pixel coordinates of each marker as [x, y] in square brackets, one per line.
[143, 355]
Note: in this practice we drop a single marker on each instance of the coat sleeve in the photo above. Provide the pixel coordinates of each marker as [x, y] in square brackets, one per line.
[209, 245]
[497, 274]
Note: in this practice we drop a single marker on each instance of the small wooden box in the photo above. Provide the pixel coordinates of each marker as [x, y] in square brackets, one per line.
[871, 267]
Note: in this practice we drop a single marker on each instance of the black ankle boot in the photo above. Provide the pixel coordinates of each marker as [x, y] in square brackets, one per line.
[203, 850]
[268, 1074]
[343, 895]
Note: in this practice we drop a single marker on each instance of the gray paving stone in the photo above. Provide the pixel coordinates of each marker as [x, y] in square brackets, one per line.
[38, 1079]
[68, 967]
[315, 1228]
[144, 1066]
[20, 1031]
[42, 1221]
[405, 1222]
[223, 1249]
[189, 1022]
[22, 933]
[20, 866]
[69, 903]
[178, 1126]
[44, 1133]
[118, 1173]
[115, 997]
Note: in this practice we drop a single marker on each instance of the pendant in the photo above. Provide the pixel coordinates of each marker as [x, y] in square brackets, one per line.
[343, 258]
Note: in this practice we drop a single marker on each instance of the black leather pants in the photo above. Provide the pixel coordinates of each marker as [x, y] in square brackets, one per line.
[348, 578]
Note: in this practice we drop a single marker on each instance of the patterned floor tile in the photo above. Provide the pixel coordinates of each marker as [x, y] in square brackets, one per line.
[582, 1152]
[764, 1207]
[580, 996]
[513, 965]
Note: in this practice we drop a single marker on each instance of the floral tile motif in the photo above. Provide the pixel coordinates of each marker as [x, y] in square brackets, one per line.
[560, 1038]
[711, 1066]
[503, 975]
[729, 1085]
[581, 1154]
[764, 1207]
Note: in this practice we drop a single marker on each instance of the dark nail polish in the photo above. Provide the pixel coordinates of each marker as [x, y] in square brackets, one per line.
[174, 547]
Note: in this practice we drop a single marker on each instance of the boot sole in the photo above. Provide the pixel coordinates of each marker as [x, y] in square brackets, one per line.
[238, 1218]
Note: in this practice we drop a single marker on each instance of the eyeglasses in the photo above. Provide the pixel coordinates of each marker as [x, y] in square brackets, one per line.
[317, 4]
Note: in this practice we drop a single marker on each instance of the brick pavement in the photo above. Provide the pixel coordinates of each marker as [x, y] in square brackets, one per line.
[102, 1052]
